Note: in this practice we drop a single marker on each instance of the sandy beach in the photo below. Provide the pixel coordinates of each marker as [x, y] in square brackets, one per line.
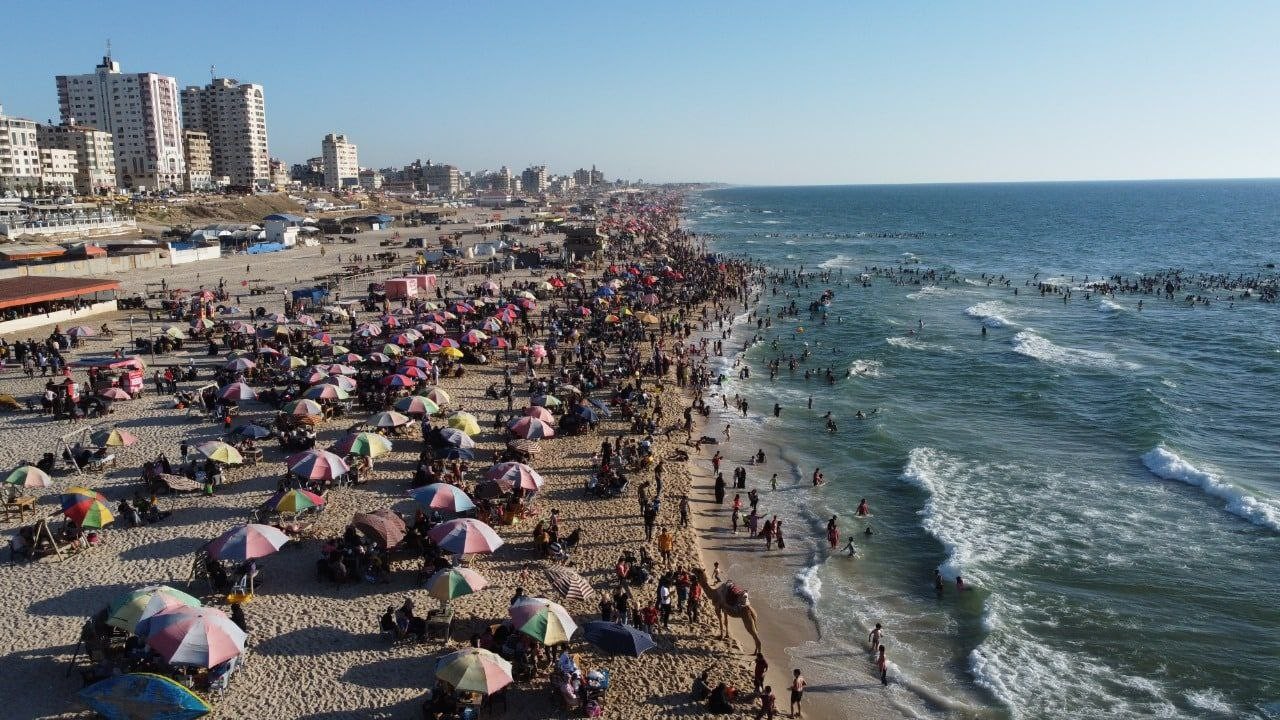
[315, 648]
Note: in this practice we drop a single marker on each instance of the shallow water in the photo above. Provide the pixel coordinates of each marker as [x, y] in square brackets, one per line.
[1101, 474]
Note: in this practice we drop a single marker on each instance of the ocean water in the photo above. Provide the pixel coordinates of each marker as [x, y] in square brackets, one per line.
[1103, 475]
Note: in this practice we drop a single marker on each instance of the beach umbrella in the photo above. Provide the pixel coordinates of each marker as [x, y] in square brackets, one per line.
[433, 328]
[617, 639]
[443, 496]
[238, 391]
[586, 413]
[531, 428]
[499, 342]
[291, 362]
[340, 369]
[605, 291]
[543, 414]
[303, 408]
[384, 526]
[201, 324]
[474, 670]
[89, 514]
[78, 494]
[449, 343]
[325, 391]
[490, 287]
[583, 311]
[128, 608]
[525, 447]
[240, 364]
[350, 358]
[305, 320]
[295, 501]
[379, 358]
[602, 407]
[317, 465]
[368, 330]
[569, 584]
[539, 350]
[543, 620]
[322, 337]
[174, 333]
[456, 453]
[28, 476]
[411, 371]
[246, 542]
[408, 337]
[115, 437]
[392, 351]
[648, 318]
[143, 696]
[466, 422]
[82, 331]
[451, 353]
[230, 310]
[390, 321]
[114, 393]
[364, 444]
[389, 419]
[462, 536]
[455, 437]
[253, 430]
[241, 327]
[312, 376]
[510, 475]
[492, 325]
[612, 319]
[488, 490]
[473, 337]
[343, 382]
[445, 585]
[416, 405]
[545, 401]
[398, 381]
[278, 318]
[438, 396]
[219, 451]
[201, 637]
[461, 308]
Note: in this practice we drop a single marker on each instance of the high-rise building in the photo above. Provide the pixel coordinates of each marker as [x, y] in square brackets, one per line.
[584, 178]
[57, 170]
[234, 116]
[341, 164]
[95, 154]
[534, 179]
[502, 181]
[597, 176]
[199, 161]
[19, 155]
[442, 179]
[140, 110]
[279, 174]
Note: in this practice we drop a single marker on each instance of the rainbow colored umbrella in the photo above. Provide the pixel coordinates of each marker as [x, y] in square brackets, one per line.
[246, 542]
[143, 695]
[543, 620]
[324, 391]
[90, 514]
[296, 501]
[317, 465]
[416, 405]
[365, 444]
[199, 637]
[115, 437]
[29, 476]
[462, 536]
[474, 670]
[443, 496]
[78, 494]
[445, 585]
[130, 608]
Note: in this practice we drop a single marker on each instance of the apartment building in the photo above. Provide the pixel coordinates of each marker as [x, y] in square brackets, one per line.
[234, 116]
[199, 161]
[57, 170]
[19, 155]
[341, 163]
[95, 154]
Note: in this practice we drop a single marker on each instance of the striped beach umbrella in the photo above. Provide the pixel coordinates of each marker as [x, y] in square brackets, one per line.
[464, 536]
[128, 608]
[303, 408]
[474, 670]
[89, 514]
[416, 405]
[199, 637]
[510, 475]
[569, 584]
[450, 583]
[28, 476]
[238, 392]
[344, 382]
[240, 364]
[364, 444]
[317, 465]
[455, 437]
[543, 620]
[295, 501]
[325, 391]
[443, 496]
[246, 542]
[389, 419]
[531, 428]
[543, 414]
[115, 437]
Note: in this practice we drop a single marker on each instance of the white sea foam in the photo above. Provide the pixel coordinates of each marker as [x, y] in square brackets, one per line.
[906, 342]
[809, 585]
[1166, 464]
[989, 313]
[1210, 701]
[788, 242]
[1107, 305]
[839, 261]
[925, 292]
[1034, 346]
[867, 368]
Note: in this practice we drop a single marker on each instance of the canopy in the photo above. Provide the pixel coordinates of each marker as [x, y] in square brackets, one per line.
[545, 621]
[143, 696]
[202, 637]
[245, 542]
[617, 639]
[474, 670]
[443, 496]
[465, 535]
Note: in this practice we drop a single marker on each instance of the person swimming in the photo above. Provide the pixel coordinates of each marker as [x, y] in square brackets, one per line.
[863, 509]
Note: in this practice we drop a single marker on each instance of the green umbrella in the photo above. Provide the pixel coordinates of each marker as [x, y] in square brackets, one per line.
[127, 609]
[29, 476]
[474, 670]
[451, 583]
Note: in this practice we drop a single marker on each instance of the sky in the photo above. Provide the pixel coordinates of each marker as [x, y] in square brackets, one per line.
[744, 92]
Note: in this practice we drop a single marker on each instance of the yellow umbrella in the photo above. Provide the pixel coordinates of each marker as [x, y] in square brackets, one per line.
[466, 422]
[451, 352]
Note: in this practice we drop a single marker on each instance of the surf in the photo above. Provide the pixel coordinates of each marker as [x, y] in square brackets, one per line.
[1168, 465]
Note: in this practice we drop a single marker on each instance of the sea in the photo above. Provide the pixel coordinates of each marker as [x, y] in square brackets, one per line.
[1101, 468]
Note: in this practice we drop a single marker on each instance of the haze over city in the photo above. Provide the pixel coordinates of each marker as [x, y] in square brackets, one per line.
[756, 93]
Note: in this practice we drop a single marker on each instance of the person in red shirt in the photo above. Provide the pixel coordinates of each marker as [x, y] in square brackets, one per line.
[761, 666]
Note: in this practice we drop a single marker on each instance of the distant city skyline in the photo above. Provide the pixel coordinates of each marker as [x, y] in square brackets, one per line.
[745, 93]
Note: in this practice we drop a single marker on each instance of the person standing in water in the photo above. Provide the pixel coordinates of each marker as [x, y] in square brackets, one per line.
[875, 637]
[864, 510]
[882, 664]
[833, 533]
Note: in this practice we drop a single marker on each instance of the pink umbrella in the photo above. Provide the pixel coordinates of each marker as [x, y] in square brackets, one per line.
[416, 373]
[246, 542]
[463, 536]
[531, 428]
[240, 364]
[509, 475]
[379, 357]
[340, 369]
[238, 391]
[417, 362]
[390, 321]
[543, 414]
[432, 327]
[398, 381]
[474, 337]
[538, 351]
[115, 393]
[201, 637]
[341, 381]
[317, 465]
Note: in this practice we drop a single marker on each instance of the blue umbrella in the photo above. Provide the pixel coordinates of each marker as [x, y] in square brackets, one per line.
[457, 453]
[586, 413]
[617, 639]
[603, 408]
[605, 291]
[143, 696]
[257, 432]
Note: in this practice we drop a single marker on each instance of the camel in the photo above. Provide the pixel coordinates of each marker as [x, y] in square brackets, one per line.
[724, 610]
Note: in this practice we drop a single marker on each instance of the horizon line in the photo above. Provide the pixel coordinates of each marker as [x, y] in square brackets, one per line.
[1060, 181]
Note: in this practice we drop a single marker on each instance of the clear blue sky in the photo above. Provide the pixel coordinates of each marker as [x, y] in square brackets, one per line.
[743, 92]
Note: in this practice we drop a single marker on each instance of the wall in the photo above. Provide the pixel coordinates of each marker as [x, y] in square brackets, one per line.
[181, 257]
[61, 316]
[93, 266]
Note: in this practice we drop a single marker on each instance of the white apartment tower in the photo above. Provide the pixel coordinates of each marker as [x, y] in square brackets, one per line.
[234, 116]
[140, 110]
[341, 164]
[95, 154]
[19, 155]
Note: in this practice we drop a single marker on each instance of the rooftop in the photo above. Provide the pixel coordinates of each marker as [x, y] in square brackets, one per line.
[27, 290]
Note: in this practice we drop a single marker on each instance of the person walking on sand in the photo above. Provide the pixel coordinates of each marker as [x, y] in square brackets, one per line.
[684, 511]
[736, 519]
[798, 685]
[766, 532]
[720, 487]
[761, 665]
[882, 664]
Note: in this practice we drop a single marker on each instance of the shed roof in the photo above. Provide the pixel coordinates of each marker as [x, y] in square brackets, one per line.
[27, 290]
